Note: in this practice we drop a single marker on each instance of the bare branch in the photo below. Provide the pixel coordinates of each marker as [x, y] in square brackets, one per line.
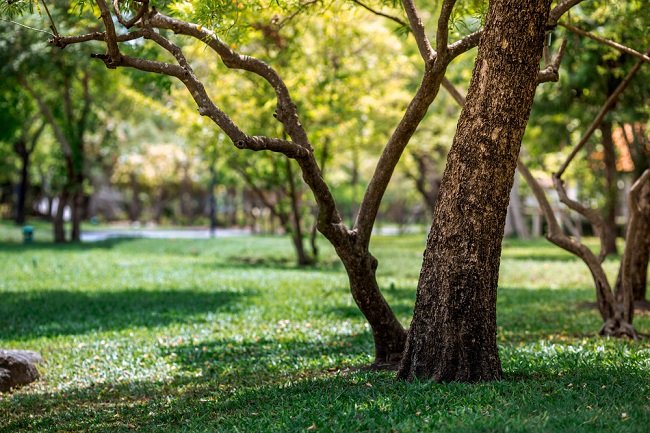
[34, 29]
[465, 44]
[329, 219]
[128, 24]
[442, 34]
[111, 36]
[556, 235]
[64, 41]
[381, 14]
[560, 9]
[47, 113]
[605, 108]
[551, 72]
[607, 42]
[395, 146]
[419, 32]
[286, 109]
[449, 86]
[52, 25]
[592, 216]
[283, 22]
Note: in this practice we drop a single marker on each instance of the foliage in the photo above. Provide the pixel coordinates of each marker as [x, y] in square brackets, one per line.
[226, 335]
[589, 73]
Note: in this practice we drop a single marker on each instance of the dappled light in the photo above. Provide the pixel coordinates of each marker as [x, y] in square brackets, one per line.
[346, 215]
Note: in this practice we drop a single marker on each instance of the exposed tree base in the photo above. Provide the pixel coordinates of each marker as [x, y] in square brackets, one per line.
[618, 328]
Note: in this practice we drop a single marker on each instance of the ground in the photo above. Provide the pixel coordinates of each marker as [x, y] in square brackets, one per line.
[227, 335]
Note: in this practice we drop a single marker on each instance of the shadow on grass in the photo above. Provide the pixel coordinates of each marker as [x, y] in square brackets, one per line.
[62, 312]
[68, 246]
[273, 263]
[401, 301]
[269, 359]
[588, 397]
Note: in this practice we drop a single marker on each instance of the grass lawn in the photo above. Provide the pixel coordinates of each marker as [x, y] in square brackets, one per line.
[226, 335]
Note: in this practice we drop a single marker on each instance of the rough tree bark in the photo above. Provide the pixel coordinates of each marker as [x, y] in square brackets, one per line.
[637, 248]
[453, 333]
[611, 190]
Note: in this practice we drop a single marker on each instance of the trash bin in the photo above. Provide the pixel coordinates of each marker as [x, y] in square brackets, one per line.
[28, 234]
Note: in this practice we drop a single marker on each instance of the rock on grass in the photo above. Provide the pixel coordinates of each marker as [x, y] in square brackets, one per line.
[17, 368]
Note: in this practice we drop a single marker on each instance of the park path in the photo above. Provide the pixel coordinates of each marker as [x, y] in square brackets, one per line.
[190, 233]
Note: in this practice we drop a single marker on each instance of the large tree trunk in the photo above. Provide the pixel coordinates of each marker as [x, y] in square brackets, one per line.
[611, 189]
[453, 333]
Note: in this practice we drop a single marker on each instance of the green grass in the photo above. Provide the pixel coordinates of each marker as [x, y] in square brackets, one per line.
[226, 335]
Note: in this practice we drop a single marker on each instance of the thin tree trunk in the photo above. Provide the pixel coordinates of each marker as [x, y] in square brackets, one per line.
[77, 211]
[388, 333]
[296, 232]
[639, 265]
[453, 333]
[515, 212]
[58, 225]
[213, 200]
[638, 248]
[611, 190]
[21, 214]
[134, 204]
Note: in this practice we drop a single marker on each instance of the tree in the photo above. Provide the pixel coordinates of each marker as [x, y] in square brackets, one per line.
[20, 127]
[140, 21]
[580, 94]
[453, 333]
[616, 306]
[61, 87]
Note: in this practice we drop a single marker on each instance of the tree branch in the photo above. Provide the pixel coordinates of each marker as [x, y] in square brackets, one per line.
[449, 86]
[286, 109]
[560, 9]
[415, 112]
[283, 22]
[605, 108]
[551, 72]
[442, 34]
[111, 36]
[465, 44]
[381, 14]
[418, 30]
[128, 24]
[47, 113]
[592, 216]
[556, 235]
[607, 42]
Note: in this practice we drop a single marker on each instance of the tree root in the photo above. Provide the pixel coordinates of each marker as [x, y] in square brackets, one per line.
[618, 328]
